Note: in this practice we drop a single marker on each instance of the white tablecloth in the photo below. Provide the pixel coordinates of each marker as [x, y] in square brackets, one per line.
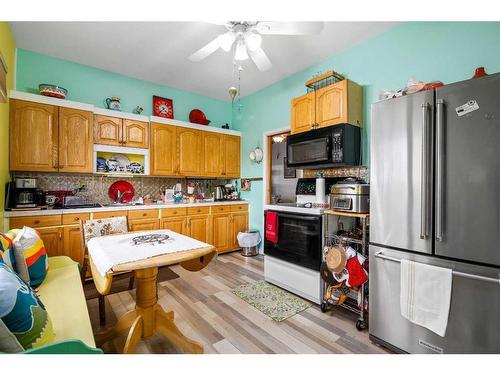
[109, 251]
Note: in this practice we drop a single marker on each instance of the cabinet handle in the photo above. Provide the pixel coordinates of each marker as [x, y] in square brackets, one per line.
[60, 234]
[37, 221]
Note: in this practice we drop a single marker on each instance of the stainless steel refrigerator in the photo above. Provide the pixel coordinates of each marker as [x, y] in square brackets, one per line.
[435, 199]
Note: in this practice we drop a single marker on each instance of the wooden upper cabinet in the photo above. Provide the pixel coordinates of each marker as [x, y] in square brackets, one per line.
[303, 113]
[108, 130]
[231, 156]
[212, 160]
[135, 133]
[33, 136]
[331, 105]
[75, 140]
[163, 150]
[189, 144]
[339, 103]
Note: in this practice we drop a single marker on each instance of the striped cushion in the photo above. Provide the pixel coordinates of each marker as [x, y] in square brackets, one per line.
[31, 256]
[7, 251]
[22, 313]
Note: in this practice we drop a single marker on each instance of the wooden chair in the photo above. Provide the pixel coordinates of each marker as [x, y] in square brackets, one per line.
[97, 228]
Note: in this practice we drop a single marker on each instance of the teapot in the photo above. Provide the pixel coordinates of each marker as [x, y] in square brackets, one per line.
[113, 103]
[112, 165]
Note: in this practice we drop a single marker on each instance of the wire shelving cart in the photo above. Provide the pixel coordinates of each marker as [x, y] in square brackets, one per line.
[361, 246]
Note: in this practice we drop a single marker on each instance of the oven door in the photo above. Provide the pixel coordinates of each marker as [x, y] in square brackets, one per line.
[308, 150]
[299, 240]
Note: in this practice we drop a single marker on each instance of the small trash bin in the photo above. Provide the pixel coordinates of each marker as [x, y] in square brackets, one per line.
[249, 242]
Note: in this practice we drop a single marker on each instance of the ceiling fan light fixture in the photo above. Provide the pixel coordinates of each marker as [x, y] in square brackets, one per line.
[241, 51]
[253, 41]
[226, 41]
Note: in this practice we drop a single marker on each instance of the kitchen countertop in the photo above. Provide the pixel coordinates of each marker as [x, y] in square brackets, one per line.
[8, 214]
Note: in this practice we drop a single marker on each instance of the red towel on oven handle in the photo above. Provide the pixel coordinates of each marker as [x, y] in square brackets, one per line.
[272, 226]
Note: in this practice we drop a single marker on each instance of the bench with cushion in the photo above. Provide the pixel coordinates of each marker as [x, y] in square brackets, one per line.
[62, 295]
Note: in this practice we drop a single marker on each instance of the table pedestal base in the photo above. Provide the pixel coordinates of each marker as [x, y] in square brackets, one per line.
[148, 318]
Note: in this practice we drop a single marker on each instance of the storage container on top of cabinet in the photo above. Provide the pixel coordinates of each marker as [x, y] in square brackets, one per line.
[338, 103]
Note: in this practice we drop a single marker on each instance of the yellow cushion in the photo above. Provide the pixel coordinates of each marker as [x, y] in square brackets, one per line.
[62, 294]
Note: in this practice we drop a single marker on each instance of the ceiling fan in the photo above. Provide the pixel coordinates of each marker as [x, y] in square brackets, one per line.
[246, 37]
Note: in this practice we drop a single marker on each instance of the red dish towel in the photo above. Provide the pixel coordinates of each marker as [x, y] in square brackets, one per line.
[357, 274]
[272, 226]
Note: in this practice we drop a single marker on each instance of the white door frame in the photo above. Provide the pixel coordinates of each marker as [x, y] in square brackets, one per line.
[265, 172]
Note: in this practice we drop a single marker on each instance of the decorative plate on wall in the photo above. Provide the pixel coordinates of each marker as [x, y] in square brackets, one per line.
[163, 107]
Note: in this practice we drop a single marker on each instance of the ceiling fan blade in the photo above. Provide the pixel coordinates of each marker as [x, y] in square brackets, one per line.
[289, 28]
[260, 59]
[205, 51]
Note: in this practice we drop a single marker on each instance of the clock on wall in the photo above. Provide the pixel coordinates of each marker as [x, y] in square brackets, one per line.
[163, 107]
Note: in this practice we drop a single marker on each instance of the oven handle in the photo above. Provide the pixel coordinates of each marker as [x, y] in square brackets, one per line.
[298, 217]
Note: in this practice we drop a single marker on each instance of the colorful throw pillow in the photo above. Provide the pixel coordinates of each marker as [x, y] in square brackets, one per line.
[22, 313]
[31, 256]
[7, 251]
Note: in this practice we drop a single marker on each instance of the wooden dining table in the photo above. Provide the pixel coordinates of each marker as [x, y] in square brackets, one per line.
[148, 317]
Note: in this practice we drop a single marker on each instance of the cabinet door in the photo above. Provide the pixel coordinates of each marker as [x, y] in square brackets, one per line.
[135, 133]
[52, 240]
[75, 140]
[212, 160]
[72, 243]
[143, 224]
[220, 232]
[303, 113]
[231, 156]
[239, 223]
[108, 130]
[33, 136]
[198, 227]
[331, 104]
[163, 150]
[189, 143]
[175, 224]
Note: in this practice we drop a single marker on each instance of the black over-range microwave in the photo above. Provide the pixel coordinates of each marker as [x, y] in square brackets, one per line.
[333, 146]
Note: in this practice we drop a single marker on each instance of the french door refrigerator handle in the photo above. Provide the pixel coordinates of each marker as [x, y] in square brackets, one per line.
[380, 254]
[439, 167]
[424, 178]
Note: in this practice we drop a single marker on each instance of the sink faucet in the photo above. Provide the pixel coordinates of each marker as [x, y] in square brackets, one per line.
[119, 195]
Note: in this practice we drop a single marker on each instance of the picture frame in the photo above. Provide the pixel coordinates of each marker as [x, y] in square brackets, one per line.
[3, 79]
[163, 107]
[246, 184]
[288, 172]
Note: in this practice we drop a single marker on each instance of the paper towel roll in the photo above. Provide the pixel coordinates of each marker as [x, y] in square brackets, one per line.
[320, 190]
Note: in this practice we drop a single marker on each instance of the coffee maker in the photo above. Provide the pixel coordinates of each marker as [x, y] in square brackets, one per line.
[23, 193]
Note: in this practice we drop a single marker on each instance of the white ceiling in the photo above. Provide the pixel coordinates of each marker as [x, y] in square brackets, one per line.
[158, 51]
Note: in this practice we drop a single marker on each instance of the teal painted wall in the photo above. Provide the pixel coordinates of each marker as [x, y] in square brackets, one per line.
[90, 85]
[428, 51]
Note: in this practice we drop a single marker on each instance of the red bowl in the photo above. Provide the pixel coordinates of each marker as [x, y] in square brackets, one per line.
[202, 121]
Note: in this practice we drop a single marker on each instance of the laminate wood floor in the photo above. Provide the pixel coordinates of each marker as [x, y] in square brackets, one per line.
[207, 311]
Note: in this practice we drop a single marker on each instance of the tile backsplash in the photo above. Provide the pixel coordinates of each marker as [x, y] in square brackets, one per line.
[96, 187]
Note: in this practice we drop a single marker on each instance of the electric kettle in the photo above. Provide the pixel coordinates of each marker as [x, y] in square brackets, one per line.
[220, 192]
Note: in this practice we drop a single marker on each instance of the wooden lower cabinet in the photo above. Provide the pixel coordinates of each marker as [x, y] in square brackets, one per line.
[220, 233]
[239, 223]
[72, 243]
[176, 224]
[198, 227]
[225, 229]
[52, 238]
[143, 224]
